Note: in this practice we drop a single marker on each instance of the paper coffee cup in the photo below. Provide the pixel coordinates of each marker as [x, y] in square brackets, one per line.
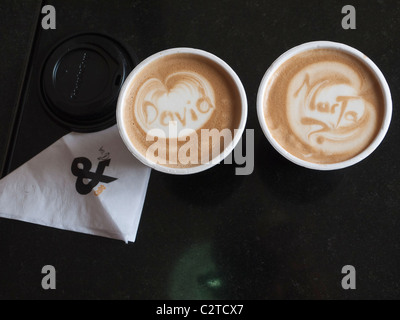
[310, 107]
[181, 118]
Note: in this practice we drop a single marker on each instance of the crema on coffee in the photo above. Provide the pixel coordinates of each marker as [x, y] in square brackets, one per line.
[172, 100]
[324, 106]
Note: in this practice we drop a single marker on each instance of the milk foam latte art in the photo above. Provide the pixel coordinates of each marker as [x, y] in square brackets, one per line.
[182, 111]
[322, 105]
[185, 97]
[328, 110]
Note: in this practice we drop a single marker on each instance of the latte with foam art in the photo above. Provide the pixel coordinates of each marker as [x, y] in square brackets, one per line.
[172, 100]
[324, 106]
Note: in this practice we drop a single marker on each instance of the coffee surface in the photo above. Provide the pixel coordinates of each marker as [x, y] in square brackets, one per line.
[324, 106]
[174, 98]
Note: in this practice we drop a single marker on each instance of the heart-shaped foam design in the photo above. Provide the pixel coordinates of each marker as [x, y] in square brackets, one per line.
[185, 100]
[326, 109]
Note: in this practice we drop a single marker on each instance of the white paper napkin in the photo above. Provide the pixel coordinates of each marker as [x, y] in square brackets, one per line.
[87, 183]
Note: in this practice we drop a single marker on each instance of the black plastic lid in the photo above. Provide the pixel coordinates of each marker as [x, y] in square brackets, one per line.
[81, 81]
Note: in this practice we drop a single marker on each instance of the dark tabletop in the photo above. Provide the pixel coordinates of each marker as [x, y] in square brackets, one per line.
[283, 232]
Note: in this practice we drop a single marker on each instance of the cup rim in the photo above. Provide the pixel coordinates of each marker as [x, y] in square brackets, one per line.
[351, 51]
[201, 167]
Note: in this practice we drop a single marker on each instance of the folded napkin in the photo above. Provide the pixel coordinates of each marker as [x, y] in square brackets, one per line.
[87, 183]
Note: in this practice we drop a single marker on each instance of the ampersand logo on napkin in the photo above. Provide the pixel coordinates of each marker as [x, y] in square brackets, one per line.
[72, 185]
[81, 169]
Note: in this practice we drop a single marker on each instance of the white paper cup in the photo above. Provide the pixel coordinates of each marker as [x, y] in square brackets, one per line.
[121, 105]
[325, 45]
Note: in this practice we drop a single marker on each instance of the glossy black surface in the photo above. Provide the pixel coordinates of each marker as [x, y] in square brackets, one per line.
[283, 232]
